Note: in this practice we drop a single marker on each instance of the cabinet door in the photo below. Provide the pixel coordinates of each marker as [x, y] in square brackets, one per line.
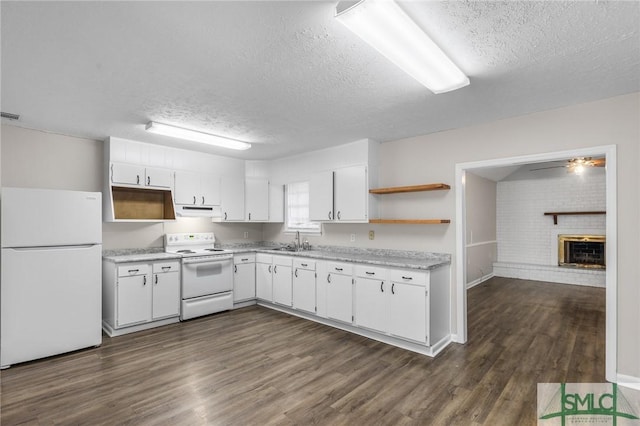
[264, 290]
[370, 303]
[158, 178]
[351, 192]
[321, 196]
[257, 200]
[340, 297]
[232, 198]
[276, 203]
[407, 311]
[282, 285]
[187, 188]
[166, 295]
[127, 174]
[244, 281]
[134, 300]
[304, 290]
[209, 190]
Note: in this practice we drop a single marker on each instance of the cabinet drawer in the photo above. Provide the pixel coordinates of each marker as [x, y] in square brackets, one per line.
[408, 276]
[368, 271]
[264, 258]
[160, 267]
[131, 269]
[304, 264]
[244, 258]
[340, 268]
[282, 260]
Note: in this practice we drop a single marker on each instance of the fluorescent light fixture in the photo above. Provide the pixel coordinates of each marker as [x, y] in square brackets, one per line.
[194, 135]
[389, 30]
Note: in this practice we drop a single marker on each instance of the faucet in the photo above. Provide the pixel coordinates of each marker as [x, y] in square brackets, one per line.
[297, 241]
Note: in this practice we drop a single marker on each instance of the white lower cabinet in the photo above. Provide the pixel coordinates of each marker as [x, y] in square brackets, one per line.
[282, 280]
[137, 294]
[407, 309]
[304, 285]
[264, 277]
[244, 277]
[340, 292]
[370, 301]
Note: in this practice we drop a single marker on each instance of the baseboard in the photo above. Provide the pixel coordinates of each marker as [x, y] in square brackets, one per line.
[479, 280]
[628, 381]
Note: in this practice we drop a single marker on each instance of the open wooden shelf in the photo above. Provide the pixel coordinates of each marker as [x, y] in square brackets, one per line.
[411, 221]
[556, 214]
[412, 188]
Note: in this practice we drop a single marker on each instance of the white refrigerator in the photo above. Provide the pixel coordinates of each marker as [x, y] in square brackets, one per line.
[50, 293]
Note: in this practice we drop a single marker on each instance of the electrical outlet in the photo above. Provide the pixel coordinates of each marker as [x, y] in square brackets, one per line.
[372, 235]
[246, 234]
[353, 238]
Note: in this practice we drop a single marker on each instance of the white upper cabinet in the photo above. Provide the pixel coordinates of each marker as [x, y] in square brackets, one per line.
[132, 174]
[276, 203]
[127, 174]
[158, 178]
[341, 195]
[321, 196]
[232, 198]
[351, 191]
[256, 200]
[199, 189]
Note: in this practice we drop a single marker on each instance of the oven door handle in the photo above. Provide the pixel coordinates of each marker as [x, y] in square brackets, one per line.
[207, 260]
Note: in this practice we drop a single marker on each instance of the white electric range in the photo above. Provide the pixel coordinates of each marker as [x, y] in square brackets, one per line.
[207, 273]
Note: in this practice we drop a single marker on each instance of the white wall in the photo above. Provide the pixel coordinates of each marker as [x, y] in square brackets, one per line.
[481, 227]
[525, 235]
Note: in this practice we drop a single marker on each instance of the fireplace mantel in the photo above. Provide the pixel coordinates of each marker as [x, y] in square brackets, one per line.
[556, 214]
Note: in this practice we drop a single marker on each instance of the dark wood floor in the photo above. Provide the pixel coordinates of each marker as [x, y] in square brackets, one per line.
[255, 366]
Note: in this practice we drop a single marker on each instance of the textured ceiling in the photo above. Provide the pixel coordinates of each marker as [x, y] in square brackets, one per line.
[289, 78]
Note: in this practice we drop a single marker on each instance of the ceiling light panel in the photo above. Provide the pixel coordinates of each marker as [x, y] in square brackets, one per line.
[196, 136]
[383, 25]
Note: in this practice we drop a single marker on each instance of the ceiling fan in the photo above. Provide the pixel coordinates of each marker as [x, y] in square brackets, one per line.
[577, 165]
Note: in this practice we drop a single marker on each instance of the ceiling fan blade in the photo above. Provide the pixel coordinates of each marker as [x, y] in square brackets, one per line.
[545, 168]
[599, 162]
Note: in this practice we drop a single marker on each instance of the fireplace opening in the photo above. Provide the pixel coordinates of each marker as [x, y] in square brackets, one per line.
[582, 251]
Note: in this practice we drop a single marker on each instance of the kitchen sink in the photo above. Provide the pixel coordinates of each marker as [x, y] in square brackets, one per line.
[290, 249]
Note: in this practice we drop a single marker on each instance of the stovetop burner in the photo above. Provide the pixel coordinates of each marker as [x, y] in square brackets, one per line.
[189, 245]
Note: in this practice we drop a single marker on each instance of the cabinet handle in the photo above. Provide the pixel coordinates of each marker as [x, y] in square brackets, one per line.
[137, 179]
[166, 268]
[156, 279]
[407, 278]
[370, 273]
[329, 278]
[133, 271]
[112, 173]
[225, 215]
[296, 273]
[382, 286]
[275, 269]
[194, 199]
[269, 268]
[304, 264]
[338, 214]
[148, 180]
[235, 268]
[249, 216]
[244, 260]
[393, 285]
[329, 214]
[203, 199]
[338, 269]
[144, 280]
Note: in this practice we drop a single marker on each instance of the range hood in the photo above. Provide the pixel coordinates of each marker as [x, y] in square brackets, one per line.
[198, 211]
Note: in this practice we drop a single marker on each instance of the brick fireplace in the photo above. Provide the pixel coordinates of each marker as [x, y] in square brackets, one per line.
[582, 251]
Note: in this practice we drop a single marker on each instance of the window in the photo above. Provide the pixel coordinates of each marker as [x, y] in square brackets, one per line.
[298, 209]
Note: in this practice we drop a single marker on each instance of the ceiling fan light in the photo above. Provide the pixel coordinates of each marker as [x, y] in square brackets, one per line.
[195, 136]
[385, 26]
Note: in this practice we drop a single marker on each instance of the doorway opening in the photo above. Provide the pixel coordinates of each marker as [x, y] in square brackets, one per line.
[608, 153]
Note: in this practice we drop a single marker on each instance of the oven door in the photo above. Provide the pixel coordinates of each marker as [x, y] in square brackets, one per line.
[202, 276]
